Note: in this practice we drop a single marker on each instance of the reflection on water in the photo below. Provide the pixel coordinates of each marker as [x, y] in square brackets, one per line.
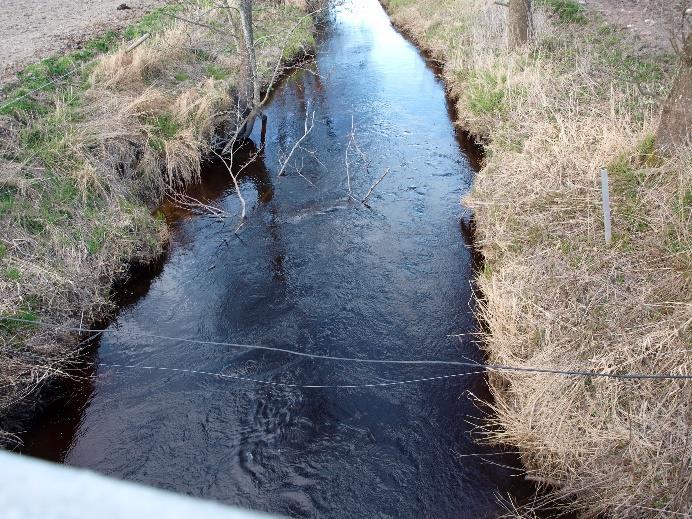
[313, 271]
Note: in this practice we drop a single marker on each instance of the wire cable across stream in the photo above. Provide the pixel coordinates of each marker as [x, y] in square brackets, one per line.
[485, 367]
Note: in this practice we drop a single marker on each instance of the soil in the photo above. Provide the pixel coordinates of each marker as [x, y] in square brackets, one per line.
[651, 21]
[36, 29]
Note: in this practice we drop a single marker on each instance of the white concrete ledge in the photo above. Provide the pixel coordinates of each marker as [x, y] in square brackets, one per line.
[34, 489]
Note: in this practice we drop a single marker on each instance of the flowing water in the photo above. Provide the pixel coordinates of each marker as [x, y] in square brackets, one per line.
[314, 271]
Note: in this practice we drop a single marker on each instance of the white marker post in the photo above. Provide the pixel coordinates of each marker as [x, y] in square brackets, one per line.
[606, 205]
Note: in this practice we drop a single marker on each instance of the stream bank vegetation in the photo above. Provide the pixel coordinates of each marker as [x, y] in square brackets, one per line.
[577, 97]
[91, 143]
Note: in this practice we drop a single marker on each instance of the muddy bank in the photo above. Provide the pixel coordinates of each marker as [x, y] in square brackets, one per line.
[556, 296]
[83, 161]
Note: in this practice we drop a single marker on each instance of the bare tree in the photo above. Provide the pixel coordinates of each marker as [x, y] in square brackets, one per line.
[520, 22]
[675, 128]
[250, 99]
[249, 92]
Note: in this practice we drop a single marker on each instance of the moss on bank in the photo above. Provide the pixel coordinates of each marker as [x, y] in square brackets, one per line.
[91, 141]
[578, 99]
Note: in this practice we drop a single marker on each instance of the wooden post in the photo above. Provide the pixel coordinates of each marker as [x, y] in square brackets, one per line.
[606, 205]
[264, 130]
[132, 46]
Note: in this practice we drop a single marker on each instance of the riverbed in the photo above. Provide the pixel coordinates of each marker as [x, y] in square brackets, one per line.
[312, 270]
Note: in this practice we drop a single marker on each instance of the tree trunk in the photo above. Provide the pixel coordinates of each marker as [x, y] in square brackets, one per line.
[245, 7]
[519, 26]
[249, 87]
[675, 128]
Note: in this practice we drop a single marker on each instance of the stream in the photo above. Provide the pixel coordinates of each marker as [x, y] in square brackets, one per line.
[314, 271]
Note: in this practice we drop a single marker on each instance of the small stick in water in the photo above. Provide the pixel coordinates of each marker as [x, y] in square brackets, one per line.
[306, 132]
[386, 171]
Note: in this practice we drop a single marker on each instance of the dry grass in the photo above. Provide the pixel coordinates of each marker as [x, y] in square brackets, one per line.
[83, 164]
[556, 295]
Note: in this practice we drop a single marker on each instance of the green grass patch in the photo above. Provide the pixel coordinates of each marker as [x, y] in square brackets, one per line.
[434, 30]
[32, 224]
[397, 4]
[215, 72]
[23, 315]
[63, 191]
[59, 202]
[153, 22]
[181, 76]
[626, 178]
[486, 93]
[6, 201]
[101, 44]
[49, 76]
[567, 11]
[299, 40]
[49, 139]
[634, 216]
[12, 273]
[97, 239]
[684, 204]
[165, 126]
[647, 152]
[674, 244]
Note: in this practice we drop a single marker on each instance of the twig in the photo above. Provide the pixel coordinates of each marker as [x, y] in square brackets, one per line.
[348, 164]
[306, 132]
[229, 167]
[544, 481]
[375, 185]
[197, 206]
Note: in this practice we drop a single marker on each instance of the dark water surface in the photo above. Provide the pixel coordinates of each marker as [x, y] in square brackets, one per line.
[316, 272]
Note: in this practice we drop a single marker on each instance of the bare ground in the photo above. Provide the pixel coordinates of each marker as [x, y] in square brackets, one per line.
[36, 29]
[651, 21]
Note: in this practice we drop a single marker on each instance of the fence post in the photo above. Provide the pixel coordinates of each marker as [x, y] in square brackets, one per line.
[606, 205]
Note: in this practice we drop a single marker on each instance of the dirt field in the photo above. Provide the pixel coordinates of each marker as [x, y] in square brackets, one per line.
[649, 20]
[35, 29]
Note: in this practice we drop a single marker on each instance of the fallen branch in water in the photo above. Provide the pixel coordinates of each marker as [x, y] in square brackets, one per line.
[306, 132]
[196, 206]
[353, 142]
[386, 172]
[348, 164]
[229, 166]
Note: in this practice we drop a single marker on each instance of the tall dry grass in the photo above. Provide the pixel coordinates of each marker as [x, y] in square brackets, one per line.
[556, 296]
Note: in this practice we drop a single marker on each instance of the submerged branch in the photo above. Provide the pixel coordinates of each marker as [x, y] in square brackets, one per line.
[386, 172]
[307, 130]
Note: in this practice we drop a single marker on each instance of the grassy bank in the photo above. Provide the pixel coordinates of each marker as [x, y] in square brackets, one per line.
[85, 160]
[577, 99]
